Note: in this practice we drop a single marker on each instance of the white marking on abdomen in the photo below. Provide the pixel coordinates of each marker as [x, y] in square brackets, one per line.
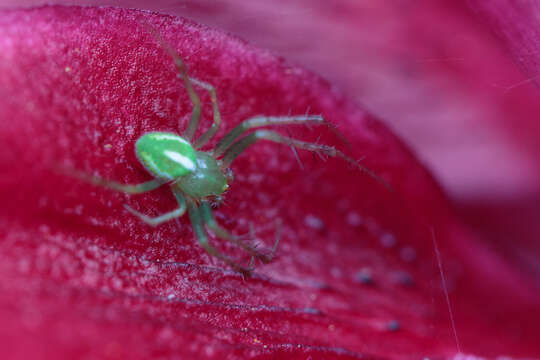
[180, 159]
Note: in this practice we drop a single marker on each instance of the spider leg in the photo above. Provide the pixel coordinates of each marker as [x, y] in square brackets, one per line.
[194, 98]
[109, 184]
[182, 74]
[242, 144]
[210, 221]
[198, 228]
[155, 221]
[259, 121]
[203, 139]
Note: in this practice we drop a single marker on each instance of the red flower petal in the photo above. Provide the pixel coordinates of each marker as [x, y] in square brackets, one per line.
[80, 277]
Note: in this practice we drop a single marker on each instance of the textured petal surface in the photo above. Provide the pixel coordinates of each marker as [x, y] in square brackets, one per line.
[356, 274]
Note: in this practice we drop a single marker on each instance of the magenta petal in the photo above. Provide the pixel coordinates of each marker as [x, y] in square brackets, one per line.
[355, 276]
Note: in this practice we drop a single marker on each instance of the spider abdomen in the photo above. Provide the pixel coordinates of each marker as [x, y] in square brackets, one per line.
[166, 155]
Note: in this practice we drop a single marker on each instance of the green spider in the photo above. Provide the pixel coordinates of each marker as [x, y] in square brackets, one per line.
[197, 178]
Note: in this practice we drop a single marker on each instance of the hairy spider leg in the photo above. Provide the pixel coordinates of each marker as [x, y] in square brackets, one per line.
[182, 74]
[259, 121]
[193, 97]
[155, 221]
[242, 144]
[197, 223]
[125, 188]
[203, 139]
[211, 223]
[196, 101]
